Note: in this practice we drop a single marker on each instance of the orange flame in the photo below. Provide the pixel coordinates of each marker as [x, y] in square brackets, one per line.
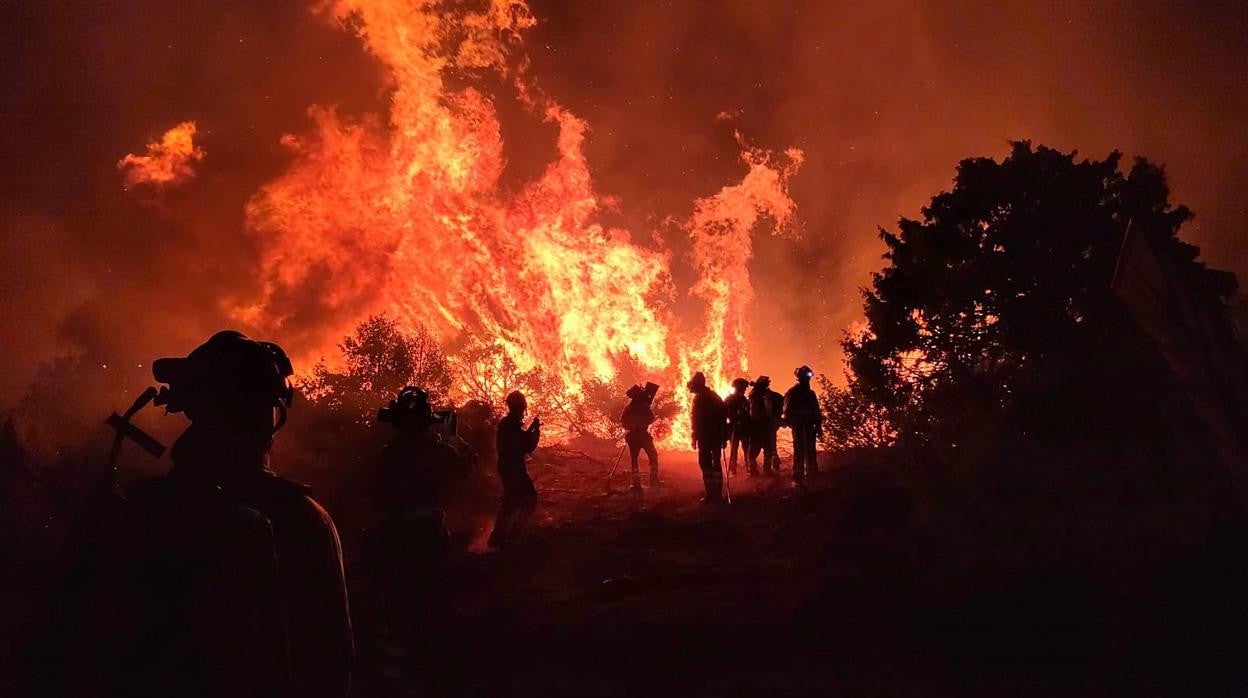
[406, 218]
[168, 162]
[720, 229]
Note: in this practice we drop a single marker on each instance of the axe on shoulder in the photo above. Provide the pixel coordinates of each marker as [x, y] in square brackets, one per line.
[125, 430]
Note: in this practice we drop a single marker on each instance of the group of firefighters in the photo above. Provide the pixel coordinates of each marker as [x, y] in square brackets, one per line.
[424, 460]
[204, 550]
[743, 424]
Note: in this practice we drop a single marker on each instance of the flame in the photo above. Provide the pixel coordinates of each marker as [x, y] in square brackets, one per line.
[720, 229]
[406, 217]
[168, 162]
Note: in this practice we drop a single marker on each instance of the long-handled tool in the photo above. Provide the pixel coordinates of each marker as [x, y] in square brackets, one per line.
[618, 458]
[125, 430]
[723, 472]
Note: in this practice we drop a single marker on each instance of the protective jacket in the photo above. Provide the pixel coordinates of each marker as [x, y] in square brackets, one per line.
[709, 418]
[801, 406]
[766, 406]
[241, 586]
[514, 442]
[409, 486]
[738, 408]
[637, 417]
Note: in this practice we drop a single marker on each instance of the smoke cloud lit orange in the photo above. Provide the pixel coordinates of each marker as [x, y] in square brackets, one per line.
[167, 162]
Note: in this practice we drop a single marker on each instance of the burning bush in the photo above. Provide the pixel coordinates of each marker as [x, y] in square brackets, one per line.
[485, 373]
[380, 359]
[605, 400]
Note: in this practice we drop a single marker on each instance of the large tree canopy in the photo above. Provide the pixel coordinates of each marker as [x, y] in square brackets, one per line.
[998, 298]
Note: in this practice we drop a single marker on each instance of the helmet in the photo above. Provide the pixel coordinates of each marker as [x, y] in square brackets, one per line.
[515, 401]
[698, 381]
[411, 405]
[229, 371]
[635, 392]
[763, 382]
[740, 383]
[804, 373]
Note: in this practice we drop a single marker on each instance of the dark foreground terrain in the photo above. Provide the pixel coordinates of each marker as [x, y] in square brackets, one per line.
[886, 578]
[861, 585]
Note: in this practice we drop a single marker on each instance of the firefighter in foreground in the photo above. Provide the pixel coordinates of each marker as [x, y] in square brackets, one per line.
[766, 407]
[709, 422]
[236, 586]
[738, 426]
[515, 443]
[636, 419]
[802, 414]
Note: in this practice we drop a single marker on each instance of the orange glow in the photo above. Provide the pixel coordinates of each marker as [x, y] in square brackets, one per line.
[720, 230]
[406, 217]
[167, 162]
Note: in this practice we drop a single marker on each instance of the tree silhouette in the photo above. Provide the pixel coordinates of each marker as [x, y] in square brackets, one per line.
[997, 302]
[379, 359]
[851, 422]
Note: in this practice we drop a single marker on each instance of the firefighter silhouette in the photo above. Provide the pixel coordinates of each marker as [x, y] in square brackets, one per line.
[802, 414]
[709, 422]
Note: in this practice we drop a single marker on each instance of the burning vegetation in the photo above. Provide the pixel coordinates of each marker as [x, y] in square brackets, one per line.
[404, 215]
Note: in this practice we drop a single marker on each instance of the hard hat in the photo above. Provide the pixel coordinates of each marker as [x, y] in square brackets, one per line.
[411, 405]
[229, 370]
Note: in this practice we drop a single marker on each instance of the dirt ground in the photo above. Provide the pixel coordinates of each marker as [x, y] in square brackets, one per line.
[621, 594]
